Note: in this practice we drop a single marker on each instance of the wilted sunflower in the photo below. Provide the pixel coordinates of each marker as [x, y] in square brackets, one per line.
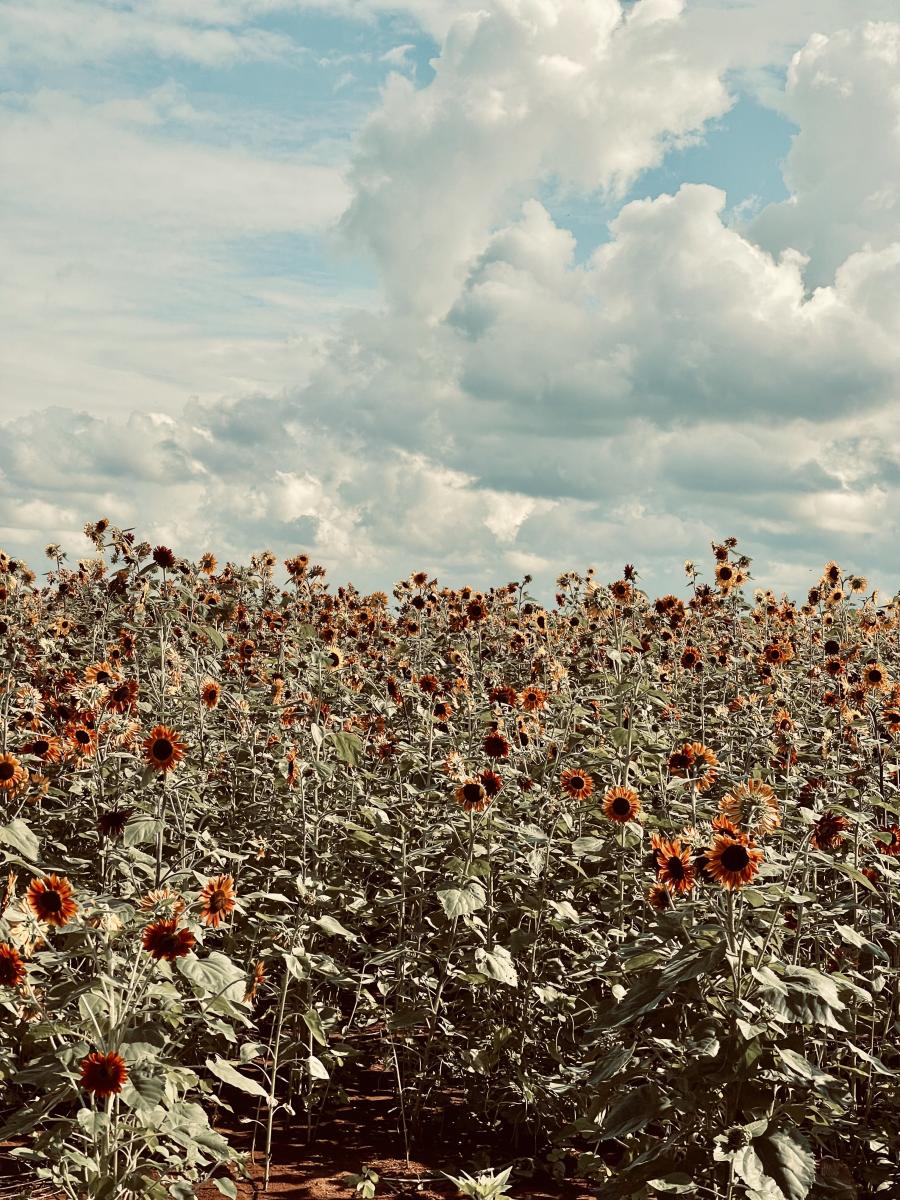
[491, 782]
[754, 805]
[892, 847]
[674, 866]
[472, 795]
[50, 899]
[103, 1074]
[12, 773]
[161, 896]
[659, 897]
[256, 979]
[621, 804]
[165, 940]
[828, 831]
[210, 693]
[732, 861]
[163, 748]
[12, 969]
[112, 821]
[495, 745]
[691, 758]
[100, 673]
[577, 784]
[217, 900]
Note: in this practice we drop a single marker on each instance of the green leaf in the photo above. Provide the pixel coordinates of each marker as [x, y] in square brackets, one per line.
[142, 1089]
[635, 1110]
[314, 1024]
[348, 747]
[497, 964]
[19, 836]
[214, 636]
[458, 902]
[317, 1068]
[144, 829]
[803, 995]
[226, 1186]
[226, 1072]
[788, 1162]
[216, 974]
[587, 845]
[333, 926]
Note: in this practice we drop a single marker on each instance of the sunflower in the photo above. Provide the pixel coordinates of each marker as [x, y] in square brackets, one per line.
[163, 748]
[334, 660]
[504, 695]
[160, 896]
[210, 693]
[692, 757]
[532, 698]
[732, 861]
[217, 900]
[208, 563]
[443, 711]
[103, 1074]
[476, 610]
[577, 784]
[659, 897]
[891, 848]
[673, 861]
[50, 899]
[100, 673]
[495, 745]
[874, 677]
[112, 821]
[12, 773]
[828, 831]
[621, 804]
[725, 576]
[491, 782]
[164, 939]
[472, 795]
[82, 739]
[12, 969]
[122, 697]
[753, 804]
[256, 979]
[691, 658]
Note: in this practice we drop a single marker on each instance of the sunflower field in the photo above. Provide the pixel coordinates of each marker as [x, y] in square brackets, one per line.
[617, 876]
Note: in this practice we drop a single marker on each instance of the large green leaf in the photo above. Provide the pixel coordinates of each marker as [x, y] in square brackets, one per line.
[788, 1163]
[228, 1074]
[19, 836]
[457, 902]
[632, 1112]
[497, 964]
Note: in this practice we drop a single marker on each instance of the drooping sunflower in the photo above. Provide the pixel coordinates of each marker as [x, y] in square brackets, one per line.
[733, 861]
[472, 795]
[100, 673]
[217, 900]
[577, 784]
[491, 782]
[163, 749]
[12, 773]
[621, 804]
[659, 897]
[103, 1074]
[674, 867]
[495, 745]
[695, 761]
[12, 969]
[754, 805]
[334, 660]
[892, 846]
[256, 980]
[50, 899]
[210, 693]
[112, 821]
[164, 939]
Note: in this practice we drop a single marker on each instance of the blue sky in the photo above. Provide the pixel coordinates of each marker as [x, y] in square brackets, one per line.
[516, 286]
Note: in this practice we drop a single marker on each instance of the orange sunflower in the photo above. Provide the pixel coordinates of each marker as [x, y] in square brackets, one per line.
[82, 739]
[659, 897]
[577, 784]
[732, 861]
[12, 969]
[164, 939]
[103, 1074]
[621, 804]
[696, 761]
[12, 773]
[675, 869]
[163, 748]
[532, 698]
[49, 749]
[210, 693]
[50, 899]
[217, 900]
[122, 697]
[100, 672]
[753, 804]
[495, 745]
[874, 677]
[472, 795]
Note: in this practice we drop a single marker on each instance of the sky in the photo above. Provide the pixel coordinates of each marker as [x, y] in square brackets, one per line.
[477, 287]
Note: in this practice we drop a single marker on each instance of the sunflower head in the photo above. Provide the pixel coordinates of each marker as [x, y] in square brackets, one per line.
[164, 940]
[621, 804]
[732, 861]
[217, 900]
[163, 748]
[577, 783]
[12, 969]
[103, 1074]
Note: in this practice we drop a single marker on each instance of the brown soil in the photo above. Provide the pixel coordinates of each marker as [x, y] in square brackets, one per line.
[367, 1132]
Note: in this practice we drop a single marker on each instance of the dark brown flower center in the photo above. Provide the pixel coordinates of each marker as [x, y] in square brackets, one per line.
[7, 770]
[41, 746]
[675, 868]
[576, 782]
[734, 858]
[82, 737]
[162, 749]
[51, 902]
[621, 806]
[472, 792]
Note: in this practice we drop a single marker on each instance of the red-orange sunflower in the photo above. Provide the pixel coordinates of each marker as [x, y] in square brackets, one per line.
[621, 804]
[732, 861]
[12, 969]
[12, 773]
[103, 1074]
[50, 899]
[217, 900]
[472, 795]
[577, 784]
[164, 939]
[673, 861]
[163, 749]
